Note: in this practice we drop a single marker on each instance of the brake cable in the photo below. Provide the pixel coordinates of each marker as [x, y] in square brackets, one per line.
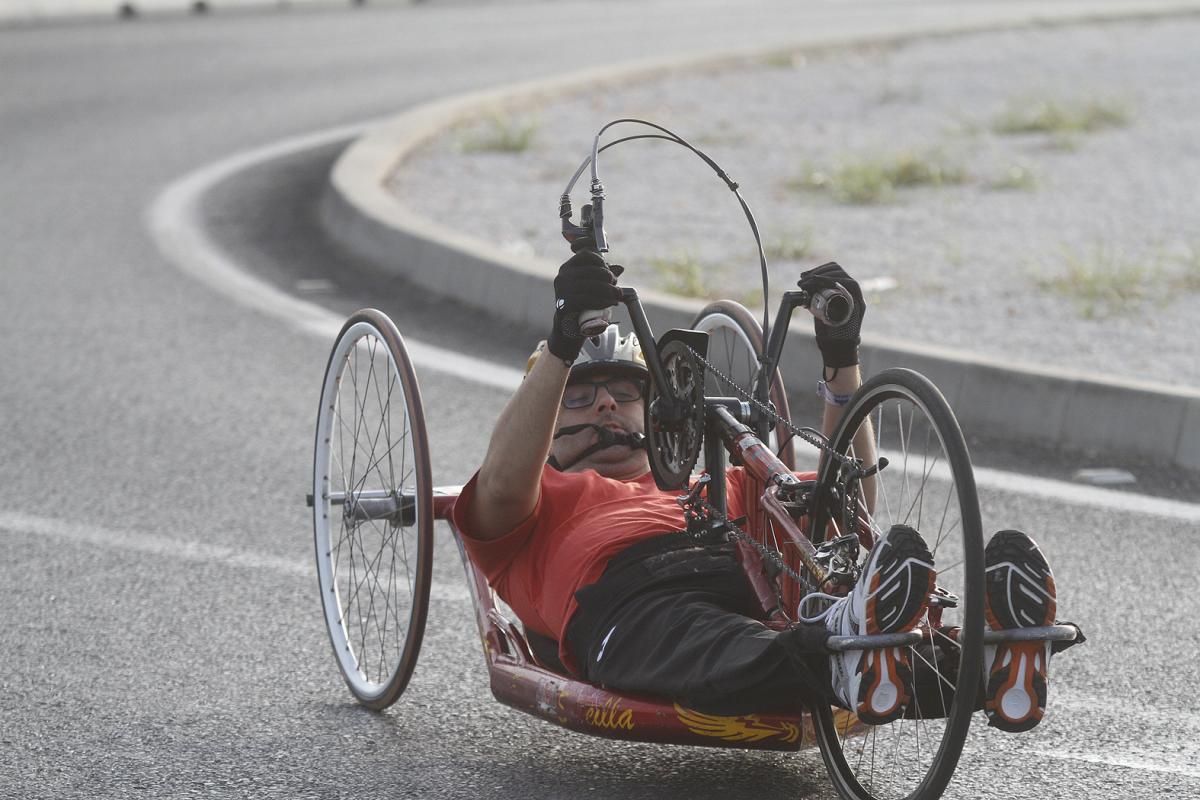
[807, 434]
[571, 232]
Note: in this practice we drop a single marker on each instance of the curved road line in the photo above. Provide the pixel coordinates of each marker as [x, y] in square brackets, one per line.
[176, 224]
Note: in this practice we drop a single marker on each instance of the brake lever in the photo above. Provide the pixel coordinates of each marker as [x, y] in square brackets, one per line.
[597, 220]
[584, 236]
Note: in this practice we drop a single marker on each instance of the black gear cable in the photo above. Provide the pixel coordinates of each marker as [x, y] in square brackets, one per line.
[669, 136]
[806, 434]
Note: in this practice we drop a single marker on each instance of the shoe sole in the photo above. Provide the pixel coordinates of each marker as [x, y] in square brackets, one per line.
[897, 600]
[1020, 593]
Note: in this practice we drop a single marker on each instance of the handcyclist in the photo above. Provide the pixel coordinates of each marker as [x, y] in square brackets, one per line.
[566, 522]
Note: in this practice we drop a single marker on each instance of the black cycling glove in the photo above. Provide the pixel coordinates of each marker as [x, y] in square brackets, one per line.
[584, 282]
[839, 346]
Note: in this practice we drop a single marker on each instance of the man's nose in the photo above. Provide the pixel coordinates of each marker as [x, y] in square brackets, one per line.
[604, 399]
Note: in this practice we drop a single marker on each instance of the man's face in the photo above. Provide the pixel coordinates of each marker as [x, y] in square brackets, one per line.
[606, 410]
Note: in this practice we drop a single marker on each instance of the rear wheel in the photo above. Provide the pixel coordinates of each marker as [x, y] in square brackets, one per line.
[373, 509]
[927, 483]
[735, 342]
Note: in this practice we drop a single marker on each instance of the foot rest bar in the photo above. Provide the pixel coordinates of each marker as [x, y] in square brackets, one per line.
[1045, 633]
[873, 641]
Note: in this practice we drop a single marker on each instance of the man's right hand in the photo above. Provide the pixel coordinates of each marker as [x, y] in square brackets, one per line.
[584, 282]
[839, 345]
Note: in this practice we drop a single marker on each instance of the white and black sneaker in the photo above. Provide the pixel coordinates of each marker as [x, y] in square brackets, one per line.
[891, 596]
[1019, 593]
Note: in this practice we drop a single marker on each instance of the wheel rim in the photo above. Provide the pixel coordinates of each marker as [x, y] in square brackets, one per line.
[370, 462]
[928, 485]
[730, 350]
[734, 350]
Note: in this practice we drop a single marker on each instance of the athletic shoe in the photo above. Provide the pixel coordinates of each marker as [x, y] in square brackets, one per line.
[891, 596]
[1019, 593]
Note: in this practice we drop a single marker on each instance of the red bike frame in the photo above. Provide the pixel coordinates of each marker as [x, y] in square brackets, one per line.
[519, 681]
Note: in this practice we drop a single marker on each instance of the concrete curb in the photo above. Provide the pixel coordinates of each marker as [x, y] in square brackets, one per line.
[1051, 407]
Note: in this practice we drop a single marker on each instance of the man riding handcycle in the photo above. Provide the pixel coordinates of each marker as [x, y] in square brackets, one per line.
[730, 609]
[565, 520]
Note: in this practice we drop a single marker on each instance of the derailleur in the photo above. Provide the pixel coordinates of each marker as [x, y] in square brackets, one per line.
[839, 558]
[698, 512]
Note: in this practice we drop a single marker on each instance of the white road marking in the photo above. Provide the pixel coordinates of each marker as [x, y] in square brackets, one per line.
[1090, 496]
[16, 522]
[1121, 761]
[174, 222]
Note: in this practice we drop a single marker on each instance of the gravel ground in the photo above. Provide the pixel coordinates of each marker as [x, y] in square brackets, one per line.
[1072, 247]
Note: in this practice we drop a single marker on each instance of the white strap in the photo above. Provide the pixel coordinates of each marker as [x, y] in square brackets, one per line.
[826, 394]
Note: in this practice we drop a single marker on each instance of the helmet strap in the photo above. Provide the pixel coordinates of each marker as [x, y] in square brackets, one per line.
[608, 438]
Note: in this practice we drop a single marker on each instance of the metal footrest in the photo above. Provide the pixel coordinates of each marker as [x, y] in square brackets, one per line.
[1044, 633]
[874, 641]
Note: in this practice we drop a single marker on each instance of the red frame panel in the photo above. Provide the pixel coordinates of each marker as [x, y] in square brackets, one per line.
[518, 681]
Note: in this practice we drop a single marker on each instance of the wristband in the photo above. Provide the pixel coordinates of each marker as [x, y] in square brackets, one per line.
[826, 394]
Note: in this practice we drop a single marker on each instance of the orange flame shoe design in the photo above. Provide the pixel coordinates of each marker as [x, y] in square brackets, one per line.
[891, 595]
[1019, 593]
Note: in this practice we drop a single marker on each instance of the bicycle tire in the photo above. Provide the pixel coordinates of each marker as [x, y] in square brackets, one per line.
[735, 342]
[372, 509]
[908, 414]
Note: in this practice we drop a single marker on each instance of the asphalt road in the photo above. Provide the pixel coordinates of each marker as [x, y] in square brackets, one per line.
[163, 635]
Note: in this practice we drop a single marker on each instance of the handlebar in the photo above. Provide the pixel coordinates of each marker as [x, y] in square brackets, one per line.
[834, 306]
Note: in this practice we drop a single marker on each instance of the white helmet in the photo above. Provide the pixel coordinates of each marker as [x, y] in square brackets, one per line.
[608, 352]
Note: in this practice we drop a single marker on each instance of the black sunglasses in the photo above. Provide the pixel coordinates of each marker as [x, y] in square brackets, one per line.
[583, 394]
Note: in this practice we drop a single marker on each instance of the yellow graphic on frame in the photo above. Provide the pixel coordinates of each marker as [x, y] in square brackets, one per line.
[845, 722]
[610, 716]
[746, 728]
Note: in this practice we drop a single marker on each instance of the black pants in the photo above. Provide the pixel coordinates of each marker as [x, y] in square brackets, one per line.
[674, 618]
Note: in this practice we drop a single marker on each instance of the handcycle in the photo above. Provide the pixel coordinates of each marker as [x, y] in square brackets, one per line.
[715, 393]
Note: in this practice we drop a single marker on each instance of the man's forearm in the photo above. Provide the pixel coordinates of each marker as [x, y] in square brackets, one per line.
[845, 383]
[507, 487]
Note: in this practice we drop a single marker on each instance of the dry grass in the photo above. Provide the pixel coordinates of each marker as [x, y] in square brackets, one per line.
[1039, 115]
[1104, 282]
[875, 179]
[501, 134]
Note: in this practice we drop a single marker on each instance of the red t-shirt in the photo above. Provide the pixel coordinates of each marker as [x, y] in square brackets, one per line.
[581, 521]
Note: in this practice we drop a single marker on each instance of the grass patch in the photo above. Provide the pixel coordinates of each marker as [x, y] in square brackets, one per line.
[1015, 177]
[751, 299]
[893, 93]
[1104, 283]
[1052, 117]
[875, 179]
[786, 59]
[682, 275]
[501, 134]
[790, 248]
[1188, 279]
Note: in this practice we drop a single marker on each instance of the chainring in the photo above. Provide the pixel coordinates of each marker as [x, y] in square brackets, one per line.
[675, 417]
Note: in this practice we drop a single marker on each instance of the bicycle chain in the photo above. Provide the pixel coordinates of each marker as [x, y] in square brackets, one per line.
[773, 556]
[805, 434]
[812, 437]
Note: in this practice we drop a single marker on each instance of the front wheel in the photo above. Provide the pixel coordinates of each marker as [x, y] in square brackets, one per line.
[373, 509]
[927, 483]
